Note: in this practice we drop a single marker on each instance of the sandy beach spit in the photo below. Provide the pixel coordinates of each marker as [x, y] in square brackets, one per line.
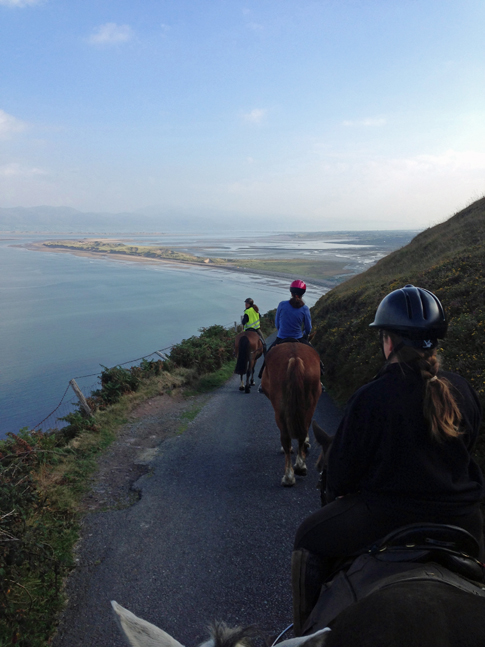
[40, 247]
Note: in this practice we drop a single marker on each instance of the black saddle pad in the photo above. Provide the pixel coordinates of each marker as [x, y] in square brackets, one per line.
[369, 573]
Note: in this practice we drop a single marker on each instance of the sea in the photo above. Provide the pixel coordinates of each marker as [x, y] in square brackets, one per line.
[64, 316]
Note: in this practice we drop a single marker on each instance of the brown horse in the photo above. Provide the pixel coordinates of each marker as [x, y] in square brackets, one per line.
[291, 380]
[248, 348]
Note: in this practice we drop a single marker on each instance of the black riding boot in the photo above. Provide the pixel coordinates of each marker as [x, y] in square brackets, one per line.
[308, 572]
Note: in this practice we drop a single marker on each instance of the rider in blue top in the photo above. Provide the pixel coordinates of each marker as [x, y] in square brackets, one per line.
[290, 317]
[291, 314]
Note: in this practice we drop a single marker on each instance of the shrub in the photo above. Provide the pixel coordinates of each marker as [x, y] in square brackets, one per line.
[207, 352]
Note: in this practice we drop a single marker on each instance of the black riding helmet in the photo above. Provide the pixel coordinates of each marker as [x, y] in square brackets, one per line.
[413, 313]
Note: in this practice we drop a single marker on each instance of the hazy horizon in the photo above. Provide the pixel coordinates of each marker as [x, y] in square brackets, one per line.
[57, 220]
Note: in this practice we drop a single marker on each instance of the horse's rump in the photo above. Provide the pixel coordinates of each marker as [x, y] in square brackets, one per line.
[292, 382]
[369, 574]
[247, 342]
[296, 401]
[412, 614]
[243, 353]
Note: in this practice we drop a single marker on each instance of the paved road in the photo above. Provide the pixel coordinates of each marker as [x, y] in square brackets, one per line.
[211, 536]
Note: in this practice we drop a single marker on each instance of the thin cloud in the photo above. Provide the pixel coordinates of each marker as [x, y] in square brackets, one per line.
[17, 170]
[19, 3]
[255, 26]
[255, 116]
[10, 125]
[450, 160]
[110, 34]
[366, 122]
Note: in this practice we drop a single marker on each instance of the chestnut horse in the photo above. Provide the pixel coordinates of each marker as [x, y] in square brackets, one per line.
[248, 348]
[291, 380]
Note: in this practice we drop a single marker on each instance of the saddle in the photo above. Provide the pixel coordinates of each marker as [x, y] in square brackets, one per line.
[431, 552]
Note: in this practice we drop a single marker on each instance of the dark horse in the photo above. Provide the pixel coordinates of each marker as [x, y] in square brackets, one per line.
[248, 348]
[291, 380]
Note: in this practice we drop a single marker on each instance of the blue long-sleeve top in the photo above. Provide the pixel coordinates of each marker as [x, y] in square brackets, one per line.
[290, 318]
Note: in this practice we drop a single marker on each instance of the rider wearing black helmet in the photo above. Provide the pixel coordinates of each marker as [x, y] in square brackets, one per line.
[402, 453]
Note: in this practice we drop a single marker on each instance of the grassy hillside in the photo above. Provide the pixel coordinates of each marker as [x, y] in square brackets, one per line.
[449, 260]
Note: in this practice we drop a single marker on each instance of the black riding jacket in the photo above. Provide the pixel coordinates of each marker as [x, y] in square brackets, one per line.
[384, 448]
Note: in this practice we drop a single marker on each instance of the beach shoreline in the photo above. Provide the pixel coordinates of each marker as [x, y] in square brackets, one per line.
[39, 247]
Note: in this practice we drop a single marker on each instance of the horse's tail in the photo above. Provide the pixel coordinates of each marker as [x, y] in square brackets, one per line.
[296, 398]
[243, 355]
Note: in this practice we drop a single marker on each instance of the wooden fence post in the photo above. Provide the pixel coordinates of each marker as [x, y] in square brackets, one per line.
[82, 400]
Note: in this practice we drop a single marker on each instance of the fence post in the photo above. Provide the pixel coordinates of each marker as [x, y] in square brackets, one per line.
[82, 400]
[235, 326]
[164, 357]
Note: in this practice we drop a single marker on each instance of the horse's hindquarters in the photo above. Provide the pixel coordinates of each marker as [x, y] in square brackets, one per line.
[291, 380]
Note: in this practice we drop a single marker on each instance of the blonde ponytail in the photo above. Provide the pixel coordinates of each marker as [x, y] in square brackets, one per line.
[439, 405]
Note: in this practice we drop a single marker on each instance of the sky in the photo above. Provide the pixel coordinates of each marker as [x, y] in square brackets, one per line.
[329, 114]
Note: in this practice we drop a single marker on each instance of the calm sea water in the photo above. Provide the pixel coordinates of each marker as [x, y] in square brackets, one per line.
[62, 316]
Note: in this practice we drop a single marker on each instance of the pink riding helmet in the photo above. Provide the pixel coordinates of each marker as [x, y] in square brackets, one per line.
[300, 285]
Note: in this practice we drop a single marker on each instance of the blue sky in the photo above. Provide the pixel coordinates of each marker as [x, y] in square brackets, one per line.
[332, 114]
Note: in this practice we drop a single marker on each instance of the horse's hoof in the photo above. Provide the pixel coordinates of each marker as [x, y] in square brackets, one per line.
[307, 447]
[300, 471]
[253, 383]
[287, 482]
[247, 390]
[241, 388]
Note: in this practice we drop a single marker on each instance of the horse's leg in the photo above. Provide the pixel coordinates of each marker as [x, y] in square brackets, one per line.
[247, 388]
[307, 444]
[289, 478]
[300, 466]
[253, 383]
[241, 386]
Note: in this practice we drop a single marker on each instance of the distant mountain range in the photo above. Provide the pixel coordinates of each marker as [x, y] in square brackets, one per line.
[152, 219]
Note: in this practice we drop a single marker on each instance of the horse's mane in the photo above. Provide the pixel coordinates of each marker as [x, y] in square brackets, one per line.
[224, 636]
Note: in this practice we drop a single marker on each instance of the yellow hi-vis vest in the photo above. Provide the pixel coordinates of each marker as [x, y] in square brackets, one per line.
[253, 323]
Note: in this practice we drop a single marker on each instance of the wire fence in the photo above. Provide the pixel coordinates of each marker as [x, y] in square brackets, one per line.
[69, 401]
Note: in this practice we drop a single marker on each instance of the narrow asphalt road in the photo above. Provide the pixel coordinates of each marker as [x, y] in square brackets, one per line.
[210, 538]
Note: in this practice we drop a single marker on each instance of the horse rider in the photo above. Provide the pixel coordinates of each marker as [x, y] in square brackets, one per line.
[403, 451]
[251, 320]
[290, 316]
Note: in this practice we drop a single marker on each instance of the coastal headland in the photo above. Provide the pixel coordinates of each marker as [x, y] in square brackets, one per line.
[325, 273]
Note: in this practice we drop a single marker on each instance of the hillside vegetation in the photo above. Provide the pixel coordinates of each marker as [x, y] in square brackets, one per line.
[449, 260]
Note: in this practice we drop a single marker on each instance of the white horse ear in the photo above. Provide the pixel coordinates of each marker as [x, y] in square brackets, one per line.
[140, 633]
[318, 639]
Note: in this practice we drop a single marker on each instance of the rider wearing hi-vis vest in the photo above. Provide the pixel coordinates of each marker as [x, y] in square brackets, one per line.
[253, 322]
[251, 319]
